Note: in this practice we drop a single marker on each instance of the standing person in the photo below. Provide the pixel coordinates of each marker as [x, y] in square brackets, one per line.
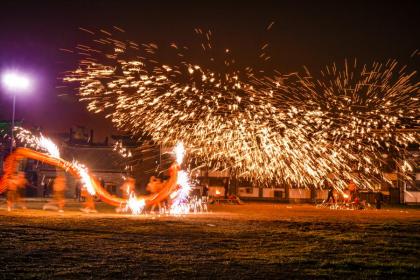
[44, 189]
[205, 193]
[226, 187]
[352, 189]
[58, 200]
[379, 198]
[16, 182]
[126, 189]
[330, 189]
[78, 186]
[89, 202]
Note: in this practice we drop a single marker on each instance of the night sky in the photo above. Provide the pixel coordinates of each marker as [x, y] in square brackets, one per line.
[305, 33]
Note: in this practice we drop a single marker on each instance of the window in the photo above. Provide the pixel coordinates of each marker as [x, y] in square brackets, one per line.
[278, 194]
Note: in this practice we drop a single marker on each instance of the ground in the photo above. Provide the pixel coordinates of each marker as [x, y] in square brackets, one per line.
[252, 241]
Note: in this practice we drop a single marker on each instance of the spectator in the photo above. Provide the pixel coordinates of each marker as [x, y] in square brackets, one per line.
[226, 185]
[379, 198]
[352, 189]
[205, 193]
[330, 189]
[44, 189]
[78, 190]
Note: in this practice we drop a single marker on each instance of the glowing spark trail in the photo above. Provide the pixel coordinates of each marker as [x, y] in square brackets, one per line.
[292, 128]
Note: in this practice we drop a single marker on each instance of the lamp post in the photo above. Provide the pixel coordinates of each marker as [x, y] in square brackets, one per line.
[15, 83]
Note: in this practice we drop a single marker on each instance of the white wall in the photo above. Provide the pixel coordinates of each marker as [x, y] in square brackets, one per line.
[322, 194]
[269, 192]
[411, 197]
[299, 193]
[242, 192]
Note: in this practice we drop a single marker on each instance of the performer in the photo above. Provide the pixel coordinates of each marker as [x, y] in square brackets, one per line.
[330, 189]
[126, 189]
[15, 182]
[89, 202]
[58, 201]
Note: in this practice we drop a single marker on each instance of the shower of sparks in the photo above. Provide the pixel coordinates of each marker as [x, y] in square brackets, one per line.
[39, 143]
[121, 150]
[179, 152]
[135, 205]
[286, 128]
[181, 203]
[84, 177]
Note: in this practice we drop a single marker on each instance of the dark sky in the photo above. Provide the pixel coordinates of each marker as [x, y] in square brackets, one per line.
[311, 33]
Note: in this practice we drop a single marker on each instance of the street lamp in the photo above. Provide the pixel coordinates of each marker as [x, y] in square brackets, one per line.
[15, 83]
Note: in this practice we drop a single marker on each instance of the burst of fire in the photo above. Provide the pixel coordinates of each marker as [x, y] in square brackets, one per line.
[135, 205]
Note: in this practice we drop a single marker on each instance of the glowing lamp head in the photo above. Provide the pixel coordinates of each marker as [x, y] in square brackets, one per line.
[15, 82]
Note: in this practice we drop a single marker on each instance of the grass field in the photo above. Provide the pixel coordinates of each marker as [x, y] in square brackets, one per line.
[252, 241]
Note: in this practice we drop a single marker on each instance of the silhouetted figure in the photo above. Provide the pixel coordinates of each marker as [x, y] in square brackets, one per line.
[78, 191]
[352, 189]
[379, 198]
[330, 192]
[205, 193]
[44, 189]
[226, 187]
[58, 200]
[89, 202]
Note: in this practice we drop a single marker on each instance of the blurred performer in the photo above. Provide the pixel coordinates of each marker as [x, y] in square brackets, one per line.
[330, 189]
[154, 186]
[58, 202]
[78, 191]
[89, 202]
[379, 198]
[205, 193]
[16, 182]
[126, 189]
[352, 189]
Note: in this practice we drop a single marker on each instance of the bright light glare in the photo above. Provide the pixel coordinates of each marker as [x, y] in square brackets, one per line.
[14, 81]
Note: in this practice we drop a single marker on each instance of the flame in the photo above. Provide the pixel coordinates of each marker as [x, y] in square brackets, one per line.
[217, 192]
[135, 205]
[85, 178]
